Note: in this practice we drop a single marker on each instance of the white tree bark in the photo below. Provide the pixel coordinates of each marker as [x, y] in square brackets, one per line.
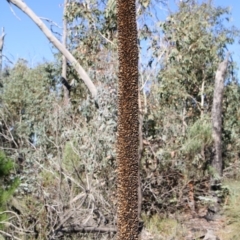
[81, 72]
[1, 48]
[217, 163]
[64, 59]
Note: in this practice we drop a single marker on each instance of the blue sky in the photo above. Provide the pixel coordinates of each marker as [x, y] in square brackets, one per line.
[25, 40]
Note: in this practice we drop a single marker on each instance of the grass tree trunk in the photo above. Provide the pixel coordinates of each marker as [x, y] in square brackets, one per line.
[217, 162]
[128, 139]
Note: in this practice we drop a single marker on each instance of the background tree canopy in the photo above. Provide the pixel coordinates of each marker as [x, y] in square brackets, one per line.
[61, 179]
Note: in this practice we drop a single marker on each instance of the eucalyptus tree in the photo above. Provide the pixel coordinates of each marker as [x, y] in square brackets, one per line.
[231, 129]
[1, 49]
[66, 87]
[196, 41]
[217, 126]
[178, 127]
[27, 95]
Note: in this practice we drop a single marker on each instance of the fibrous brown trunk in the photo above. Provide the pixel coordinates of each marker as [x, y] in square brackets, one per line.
[127, 139]
[217, 162]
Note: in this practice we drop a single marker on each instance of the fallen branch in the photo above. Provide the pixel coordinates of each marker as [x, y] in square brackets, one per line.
[85, 229]
[82, 229]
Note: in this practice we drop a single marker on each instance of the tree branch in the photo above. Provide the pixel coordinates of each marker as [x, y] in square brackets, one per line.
[82, 73]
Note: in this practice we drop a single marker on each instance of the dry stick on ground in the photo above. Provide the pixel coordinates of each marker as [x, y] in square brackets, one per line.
[128, 129]
[81, 72]
[88, 229]
[217, 163]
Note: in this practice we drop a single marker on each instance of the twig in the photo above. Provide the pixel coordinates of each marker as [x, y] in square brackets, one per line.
[9, 235]
[51, 22]
[13, 10]
[106, 39]
[8, 59]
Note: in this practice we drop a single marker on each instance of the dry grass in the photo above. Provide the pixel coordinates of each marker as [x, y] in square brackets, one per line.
[231, 212]
[163, 229]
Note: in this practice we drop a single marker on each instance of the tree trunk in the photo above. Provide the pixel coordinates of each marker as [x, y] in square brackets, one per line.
[217, 163]
[202, 115]
[66, 92]
[127, 139]
[140, 154]
[81, 72]
[1, 48]
[202, 99]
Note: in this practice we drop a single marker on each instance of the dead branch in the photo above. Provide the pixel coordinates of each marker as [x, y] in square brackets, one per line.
[2, 39]
[81, 72]
[7, 59]
[87, 229]
[1, 48]
[52, 23]
[9, 235]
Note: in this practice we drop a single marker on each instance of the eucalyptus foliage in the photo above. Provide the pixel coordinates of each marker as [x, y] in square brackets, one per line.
[193, 41]
[197, 40]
